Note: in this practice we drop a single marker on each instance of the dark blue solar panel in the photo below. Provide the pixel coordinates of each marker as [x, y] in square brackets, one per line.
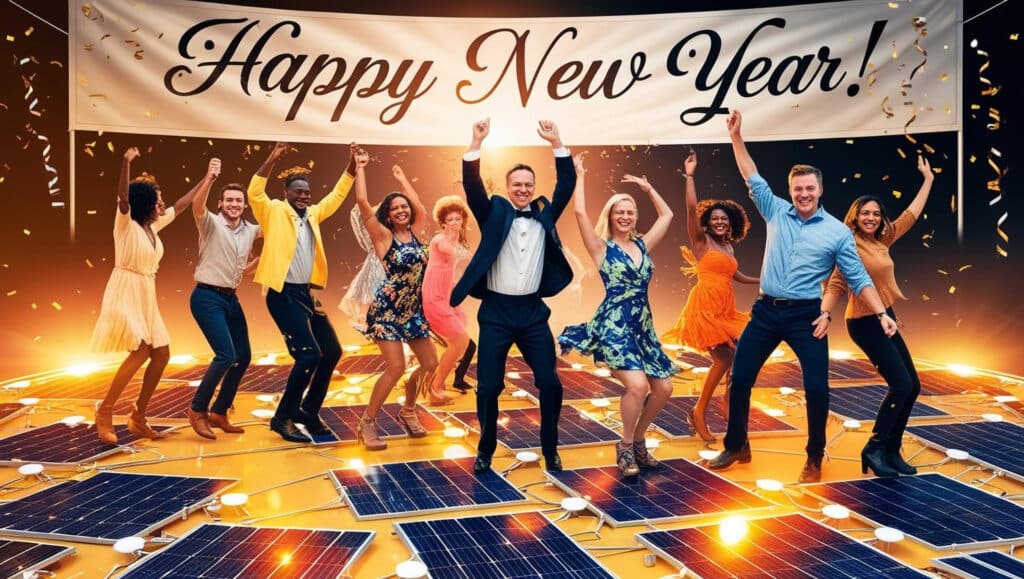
[852, 369]
[266, 378]
[945, 382]
[935, 509]
[516, 364]
[982, 565]
[785, 546]
[672, 419]
[108, 506]
[166, 403]
[343, 421]
[861, 403]
[576, 385]
[998, 445]
[21, 558]
[512, 545]
[215, 550]
[519, 429]
[676, 490]
[78, 444]
[778, 374]
[390, 490]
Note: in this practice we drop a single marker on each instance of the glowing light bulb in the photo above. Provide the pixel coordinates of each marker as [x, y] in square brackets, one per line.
[732, 530]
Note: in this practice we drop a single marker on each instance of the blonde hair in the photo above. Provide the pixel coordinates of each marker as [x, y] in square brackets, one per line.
[447, 204]
[602, 229]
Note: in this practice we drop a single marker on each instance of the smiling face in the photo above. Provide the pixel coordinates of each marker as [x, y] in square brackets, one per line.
[297, 194]
[805, 191]
[453, 221]
[520, 184]
[869, 218]
[399, 213]
[232, 203]
[622, 217]
[718, 224]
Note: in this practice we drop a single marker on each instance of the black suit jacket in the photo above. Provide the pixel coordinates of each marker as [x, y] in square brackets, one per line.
[494, 216]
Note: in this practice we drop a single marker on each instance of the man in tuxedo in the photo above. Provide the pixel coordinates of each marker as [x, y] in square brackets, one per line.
[519, 261]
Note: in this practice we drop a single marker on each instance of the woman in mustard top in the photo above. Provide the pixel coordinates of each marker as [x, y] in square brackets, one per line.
[874, 233]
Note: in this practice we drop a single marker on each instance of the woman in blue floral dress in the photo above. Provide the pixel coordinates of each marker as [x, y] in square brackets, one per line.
[621, 335]
[396, 314]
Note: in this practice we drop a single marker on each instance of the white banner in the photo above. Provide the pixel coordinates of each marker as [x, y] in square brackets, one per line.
[854, 68]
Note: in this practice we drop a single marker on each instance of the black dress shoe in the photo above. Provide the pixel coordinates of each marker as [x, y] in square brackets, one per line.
[553, 462]
[287, 429]
[461, 386]
[811, 472]
[312, 423]
[728, 457]
[481, 464]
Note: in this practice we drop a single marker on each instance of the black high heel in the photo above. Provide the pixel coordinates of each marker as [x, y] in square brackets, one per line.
[873, 457]
[896, 462]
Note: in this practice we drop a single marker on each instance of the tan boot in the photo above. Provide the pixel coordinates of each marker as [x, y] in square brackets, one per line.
[200, 422]
[138, 426]
[221, 421]
[411, 423]
[367, 434]
[105, 424]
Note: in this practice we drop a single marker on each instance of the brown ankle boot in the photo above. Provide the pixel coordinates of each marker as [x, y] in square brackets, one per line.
[411, 423]
[367, 434]
[138, 426]
[200, 422]
[105, 424]
[221, 421]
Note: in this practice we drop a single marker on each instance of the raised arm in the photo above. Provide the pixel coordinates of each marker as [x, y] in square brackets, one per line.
[259, 201]
[280, 150]
[379, 234]
[332, 202]
[122, 181]
[693, 228]
[414, 197]
[921, 199]
[199, 203]
[594, 244]
[565, 173]
[202, 187]
[739, 148]
[658, 230]
[476, 193]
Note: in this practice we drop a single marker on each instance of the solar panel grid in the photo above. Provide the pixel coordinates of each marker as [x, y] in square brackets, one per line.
[672, 419]
[361, 364]
[108, 506]
[420, 487]
[862, 402]
[982, 565]
[166, 403]
[778, 374]
[693, 358]
[9, 410]
[510, 545]
[576, 385]
[519, 429]
[77, 444]
[21, 558]
[216, 550]
[995, 444]
[676, 490]
[784, 546]
[90, 387]
[852, 369]
[343, 421]
[935, 509]
[265, 378]
[945, 383]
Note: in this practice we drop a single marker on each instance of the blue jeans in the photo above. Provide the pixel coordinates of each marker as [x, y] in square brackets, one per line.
[222, 321]
[313, 344]
[769, 325]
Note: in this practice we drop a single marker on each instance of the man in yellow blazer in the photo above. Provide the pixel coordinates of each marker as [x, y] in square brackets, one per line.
[291, 264]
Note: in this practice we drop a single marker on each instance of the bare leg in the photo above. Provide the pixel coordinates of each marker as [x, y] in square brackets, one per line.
[721, 356]
[124, 373]
[394, 360]
[426, 355]
[632, 403]
[661, 391]
[451, 356]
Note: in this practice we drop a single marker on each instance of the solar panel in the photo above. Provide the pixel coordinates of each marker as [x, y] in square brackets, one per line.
[77, 444]
[343, 421]
[677, 490]
[996, 445]
[939, 511]
[944, 383]
[361, 364]
[108, 506]
[9, 410]
[693, 358]
[784, 546]
[22, 558]
[982, 565]
[519, 429]
[60, 385]
[861, 403]
[516, 364]
[510, 545]
[672, 419]
[265, 378]
[778, 374]
[419, 487]
[166, 403]
[218, 550]
[852, 369]
[576, 385]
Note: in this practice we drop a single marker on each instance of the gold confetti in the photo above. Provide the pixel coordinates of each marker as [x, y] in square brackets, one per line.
[943, 76]
[110, 146]
[929, 149]
[924, 297]
[893, 5]
[896, 194]
[11, 293]
[26, 232]
[952, 289]
[849, 141]
[34, 306]
[10, 38]
[1013, 36]
[942, 272]
[965, 267]
[973, 158]
[88, 263]
[29, 31]
[856, 175]
[885, 178]
[901, 153]
[57, 306]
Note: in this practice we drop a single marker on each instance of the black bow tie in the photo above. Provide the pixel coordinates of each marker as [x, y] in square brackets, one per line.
[527, 213]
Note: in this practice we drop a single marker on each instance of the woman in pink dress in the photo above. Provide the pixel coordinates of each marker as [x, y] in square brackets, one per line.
[449, 253]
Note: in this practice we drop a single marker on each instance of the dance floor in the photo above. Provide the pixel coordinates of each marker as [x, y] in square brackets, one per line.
[254, 505]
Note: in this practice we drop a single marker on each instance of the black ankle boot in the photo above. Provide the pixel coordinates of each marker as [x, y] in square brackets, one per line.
[873, 457]
[896, 462]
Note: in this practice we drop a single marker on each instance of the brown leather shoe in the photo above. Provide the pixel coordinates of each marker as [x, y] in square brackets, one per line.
[221, 421]
[200, 422]
[105, 424]
[812, 471]
[138, 426]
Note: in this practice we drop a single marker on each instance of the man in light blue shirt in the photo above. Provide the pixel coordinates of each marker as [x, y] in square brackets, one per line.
[804, 244]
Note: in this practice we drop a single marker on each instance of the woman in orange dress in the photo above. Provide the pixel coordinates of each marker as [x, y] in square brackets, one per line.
[709, 320]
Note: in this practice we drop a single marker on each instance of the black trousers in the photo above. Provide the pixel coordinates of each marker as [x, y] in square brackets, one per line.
[521, 320]
[772, 323]
[313, 344]
[892, 358]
